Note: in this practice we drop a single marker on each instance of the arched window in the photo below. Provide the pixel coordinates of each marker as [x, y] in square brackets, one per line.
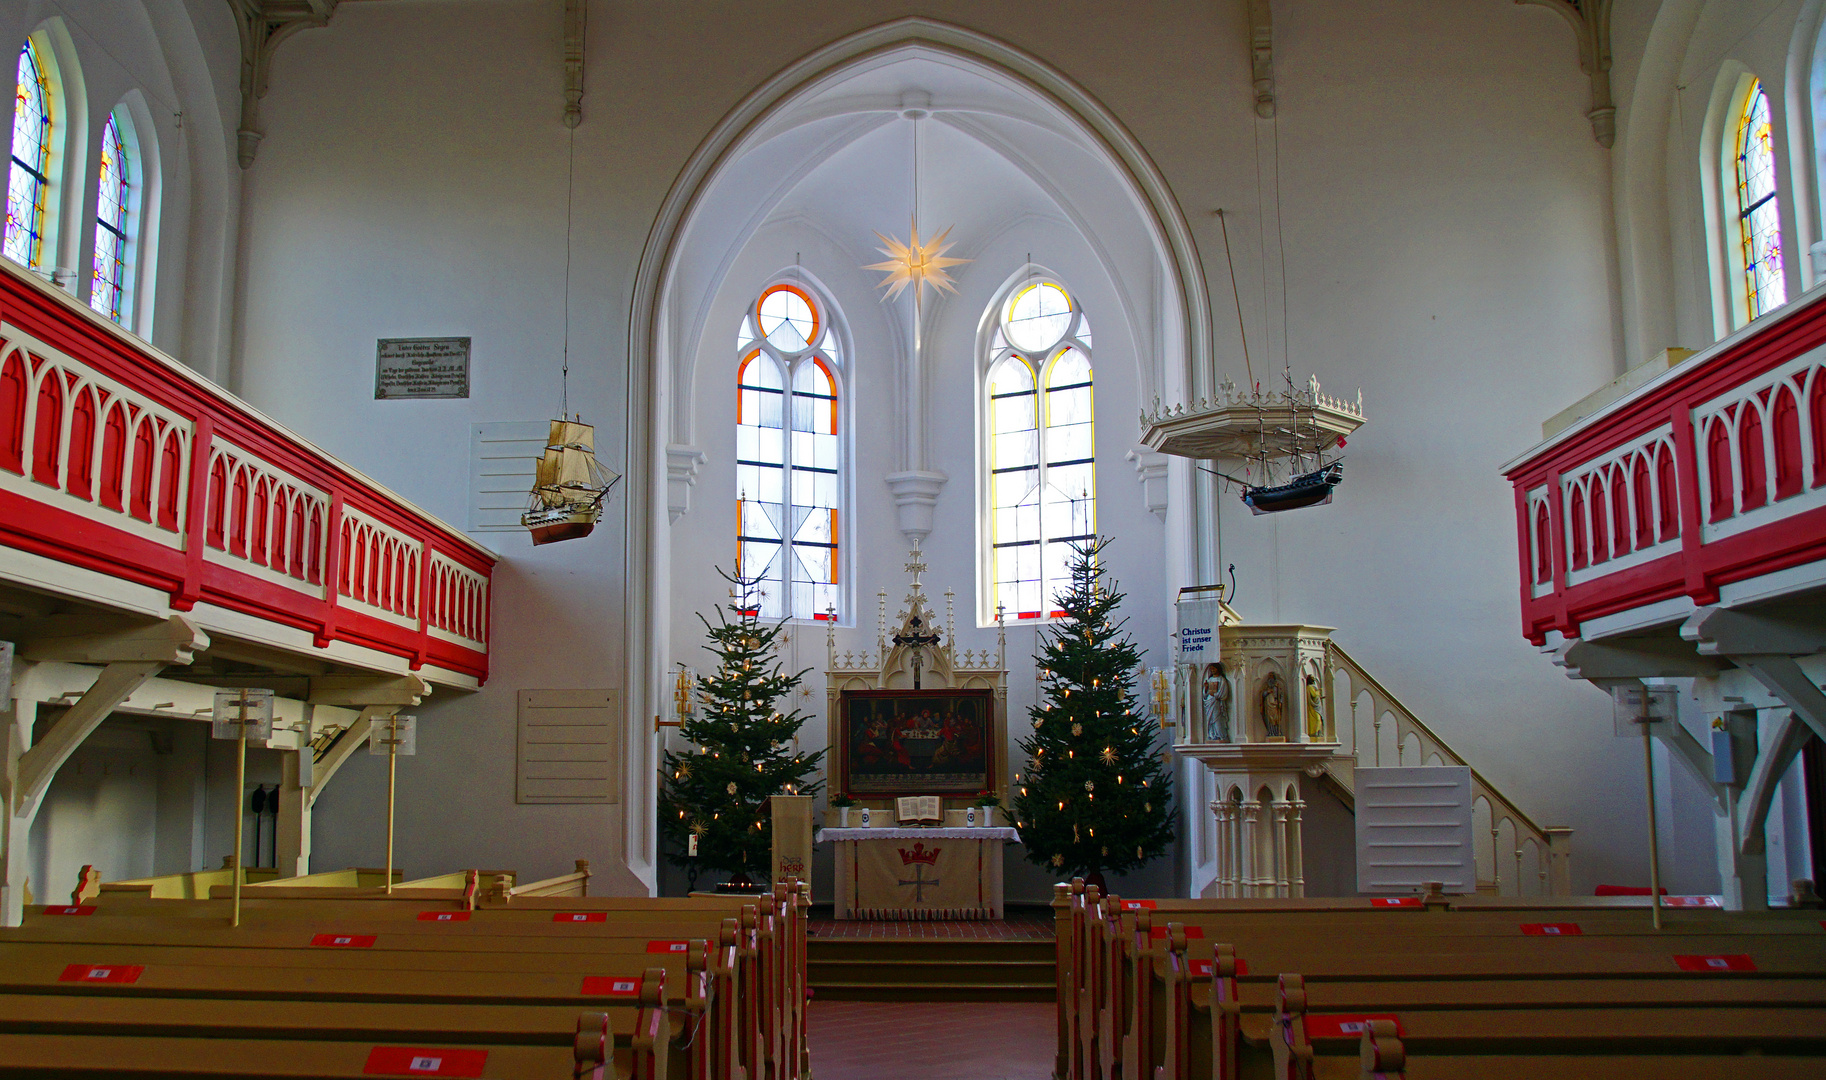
[789, 455]
[1759, 214]
[28, 186]
[115, 203]
[1041, 487]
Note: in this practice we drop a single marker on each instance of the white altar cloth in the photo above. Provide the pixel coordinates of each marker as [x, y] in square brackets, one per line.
[936, 873]
[997, 833]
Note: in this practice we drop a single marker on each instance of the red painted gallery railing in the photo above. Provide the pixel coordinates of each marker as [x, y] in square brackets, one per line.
[116, 459]
[1711, 474]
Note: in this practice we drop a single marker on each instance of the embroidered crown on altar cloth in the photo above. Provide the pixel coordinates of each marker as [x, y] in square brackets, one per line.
[919, 854]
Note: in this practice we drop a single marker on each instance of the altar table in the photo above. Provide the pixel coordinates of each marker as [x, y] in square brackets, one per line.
[933, 873]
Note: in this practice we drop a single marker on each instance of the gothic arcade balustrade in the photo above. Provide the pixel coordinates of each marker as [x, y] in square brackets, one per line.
[144, 483]
[1710, 475]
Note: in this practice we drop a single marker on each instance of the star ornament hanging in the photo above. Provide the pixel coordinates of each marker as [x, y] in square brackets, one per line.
[916, 263]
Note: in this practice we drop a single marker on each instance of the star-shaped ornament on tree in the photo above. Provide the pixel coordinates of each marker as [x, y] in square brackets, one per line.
[916, 263]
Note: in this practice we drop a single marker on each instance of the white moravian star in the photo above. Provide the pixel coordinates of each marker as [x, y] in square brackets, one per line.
[916, 264]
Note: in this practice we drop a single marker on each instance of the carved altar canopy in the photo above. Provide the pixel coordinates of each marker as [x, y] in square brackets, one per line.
[916, 715]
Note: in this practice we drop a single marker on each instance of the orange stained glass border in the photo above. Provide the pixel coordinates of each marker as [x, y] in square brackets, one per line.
[831, 405]
[811, 339]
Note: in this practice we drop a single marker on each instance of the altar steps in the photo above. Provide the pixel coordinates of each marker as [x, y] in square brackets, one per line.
[930, 969]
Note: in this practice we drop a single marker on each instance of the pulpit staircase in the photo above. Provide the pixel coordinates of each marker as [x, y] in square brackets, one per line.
[1514, 840]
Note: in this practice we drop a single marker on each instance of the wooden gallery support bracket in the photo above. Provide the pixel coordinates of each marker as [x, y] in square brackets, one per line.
[130, 655]
[378, 698]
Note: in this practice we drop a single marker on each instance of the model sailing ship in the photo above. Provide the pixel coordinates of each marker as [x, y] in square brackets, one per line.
[1286, 441]
[570, 486]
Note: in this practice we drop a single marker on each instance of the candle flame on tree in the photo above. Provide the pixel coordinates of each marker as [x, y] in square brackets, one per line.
[916, 263]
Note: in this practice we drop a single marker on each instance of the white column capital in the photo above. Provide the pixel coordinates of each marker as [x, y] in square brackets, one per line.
[915, 497]
[1151, 470]
[682, 465]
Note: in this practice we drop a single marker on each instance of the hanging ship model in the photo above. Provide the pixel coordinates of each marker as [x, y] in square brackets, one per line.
[1287, 441]
[568, 491]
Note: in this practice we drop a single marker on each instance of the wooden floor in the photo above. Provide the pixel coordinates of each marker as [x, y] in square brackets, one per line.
[982, 1040]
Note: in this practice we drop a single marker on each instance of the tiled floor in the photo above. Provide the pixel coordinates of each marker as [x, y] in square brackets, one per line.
[869, 1040]
[1017, 927]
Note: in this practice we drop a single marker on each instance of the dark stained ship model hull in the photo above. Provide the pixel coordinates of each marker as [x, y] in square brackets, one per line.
[1308, 489]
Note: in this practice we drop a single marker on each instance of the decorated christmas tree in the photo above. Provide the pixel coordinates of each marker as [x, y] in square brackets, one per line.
[713, 806]
[1093, 797]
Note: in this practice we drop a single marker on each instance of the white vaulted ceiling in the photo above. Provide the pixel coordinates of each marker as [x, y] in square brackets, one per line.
[838, 159]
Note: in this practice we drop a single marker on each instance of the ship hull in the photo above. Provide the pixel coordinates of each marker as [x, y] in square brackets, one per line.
[551, 526]
[1313, 489]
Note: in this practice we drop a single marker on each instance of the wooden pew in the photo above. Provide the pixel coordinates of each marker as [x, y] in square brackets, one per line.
[1311, 1039]
[1131, 994]
[763, 949]
[1515, 1001]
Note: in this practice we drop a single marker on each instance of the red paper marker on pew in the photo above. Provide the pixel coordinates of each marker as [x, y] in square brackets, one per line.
[1159, 933]
[424, 1061]
[70, 909]
[343, 941]
[1138, 905]
[102, 973]
[580, 916]
[668, 946]
[610, 986]
[1726, 962]
[1201, 969]
[1551, 929]
[1345, 1027]
[443, 916]
[1394, 901]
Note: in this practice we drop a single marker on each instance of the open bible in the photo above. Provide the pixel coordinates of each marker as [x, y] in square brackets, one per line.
[919, 810]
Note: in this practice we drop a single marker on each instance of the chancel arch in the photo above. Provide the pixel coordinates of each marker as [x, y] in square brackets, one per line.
[1022, 167]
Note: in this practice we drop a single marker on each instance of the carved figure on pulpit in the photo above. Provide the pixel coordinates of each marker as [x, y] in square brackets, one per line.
[1216, 701]
[1315, 710]
[1274, 705]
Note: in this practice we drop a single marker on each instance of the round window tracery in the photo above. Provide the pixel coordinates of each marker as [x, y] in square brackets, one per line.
[1037, 316]
[788, 318]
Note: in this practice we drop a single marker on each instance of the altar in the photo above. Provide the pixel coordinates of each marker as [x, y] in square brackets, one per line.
[915, 716]
[919, 873]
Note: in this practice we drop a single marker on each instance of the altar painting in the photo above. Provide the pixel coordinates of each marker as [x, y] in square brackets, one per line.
[916, 742]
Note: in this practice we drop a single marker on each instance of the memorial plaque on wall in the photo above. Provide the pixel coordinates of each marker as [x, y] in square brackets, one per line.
[421, 368]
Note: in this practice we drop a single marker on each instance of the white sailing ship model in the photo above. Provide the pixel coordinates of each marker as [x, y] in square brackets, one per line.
[571, 484]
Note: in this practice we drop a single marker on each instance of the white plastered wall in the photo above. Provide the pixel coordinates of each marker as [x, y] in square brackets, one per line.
[1446, 218]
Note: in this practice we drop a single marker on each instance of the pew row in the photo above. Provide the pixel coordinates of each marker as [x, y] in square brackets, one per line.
[736, 1008]
[1197, 998]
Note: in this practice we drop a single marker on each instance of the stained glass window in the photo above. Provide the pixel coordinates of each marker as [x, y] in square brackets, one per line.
[28, 183]
[1042, 485]
[1758, 210]
[108, 294]
[789, 458]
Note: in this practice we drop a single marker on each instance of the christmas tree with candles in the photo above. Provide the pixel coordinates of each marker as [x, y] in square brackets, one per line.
[713, 806]
[1094, 797]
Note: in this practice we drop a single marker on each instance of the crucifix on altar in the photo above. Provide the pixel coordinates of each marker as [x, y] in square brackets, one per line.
[914, 635]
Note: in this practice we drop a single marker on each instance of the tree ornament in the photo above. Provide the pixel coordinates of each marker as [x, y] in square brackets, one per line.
[1077, 729]
[1058, 860]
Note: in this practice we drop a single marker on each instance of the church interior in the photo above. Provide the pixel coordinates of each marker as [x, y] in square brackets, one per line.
[732, 540]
